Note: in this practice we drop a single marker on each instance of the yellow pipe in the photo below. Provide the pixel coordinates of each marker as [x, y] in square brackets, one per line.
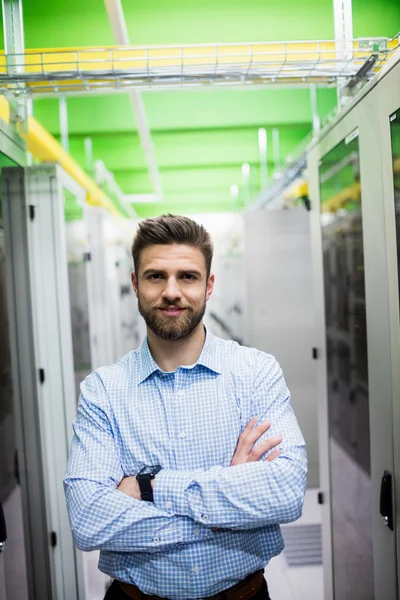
[4, 110]
[44, 147]
[298, 189]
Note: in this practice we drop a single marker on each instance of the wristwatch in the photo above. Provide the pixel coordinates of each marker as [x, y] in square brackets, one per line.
[144, 478]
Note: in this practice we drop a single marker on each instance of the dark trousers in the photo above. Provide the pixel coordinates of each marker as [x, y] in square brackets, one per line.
[115, 592]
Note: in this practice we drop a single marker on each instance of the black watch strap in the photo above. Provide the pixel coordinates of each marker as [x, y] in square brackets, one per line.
[146, 490]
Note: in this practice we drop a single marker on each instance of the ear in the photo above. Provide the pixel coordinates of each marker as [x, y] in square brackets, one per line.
[134, 283]
[210, 287]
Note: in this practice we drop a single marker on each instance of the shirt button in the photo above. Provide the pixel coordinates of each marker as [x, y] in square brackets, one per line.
[180, 393]
[204, 517]
[182, 434]
[196, 569]
[156, 540]
[196, 531]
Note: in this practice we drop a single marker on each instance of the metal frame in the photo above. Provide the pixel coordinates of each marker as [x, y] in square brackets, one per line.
[337, 116]
[297, 165]
[14, 148]
[316, 121]
[118, 25]
[104, 177]
[343, 20]
[63, 114]
[275, 190]
[371, 117]
[13, 31]
[127, 68]
[321, 368]
[25, 386]
[14, 46]
[389, 102]
[43, 367]
[11, 144]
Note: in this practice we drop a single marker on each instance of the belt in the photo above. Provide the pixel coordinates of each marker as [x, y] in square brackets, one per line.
[244, 590]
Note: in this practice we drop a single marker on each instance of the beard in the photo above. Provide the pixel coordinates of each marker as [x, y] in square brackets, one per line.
[172, 328]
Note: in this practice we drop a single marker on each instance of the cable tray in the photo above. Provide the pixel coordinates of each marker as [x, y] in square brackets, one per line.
[91, 70]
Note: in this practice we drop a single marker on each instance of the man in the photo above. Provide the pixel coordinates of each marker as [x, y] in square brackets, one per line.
[175, 472]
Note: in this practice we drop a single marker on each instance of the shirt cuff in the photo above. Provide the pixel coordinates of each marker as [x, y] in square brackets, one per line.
[169, 491]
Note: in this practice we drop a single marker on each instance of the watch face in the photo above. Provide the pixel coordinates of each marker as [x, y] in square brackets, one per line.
[150, 470]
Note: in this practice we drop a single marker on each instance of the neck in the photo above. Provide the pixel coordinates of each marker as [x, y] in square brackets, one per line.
[171, 354]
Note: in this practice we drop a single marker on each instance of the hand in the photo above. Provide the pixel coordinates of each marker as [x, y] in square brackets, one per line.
[245, 450]
[130, 487]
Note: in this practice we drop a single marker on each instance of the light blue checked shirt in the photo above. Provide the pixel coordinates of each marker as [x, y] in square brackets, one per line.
[133, 414]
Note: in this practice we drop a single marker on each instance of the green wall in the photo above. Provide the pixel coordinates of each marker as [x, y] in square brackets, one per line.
[201, 136]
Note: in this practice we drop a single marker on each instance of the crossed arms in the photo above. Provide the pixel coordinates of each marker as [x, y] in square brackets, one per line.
[264, 485]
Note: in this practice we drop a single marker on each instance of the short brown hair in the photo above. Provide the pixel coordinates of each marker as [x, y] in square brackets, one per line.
[172, 229]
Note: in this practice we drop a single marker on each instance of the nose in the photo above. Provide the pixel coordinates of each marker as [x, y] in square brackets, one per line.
[171, 291]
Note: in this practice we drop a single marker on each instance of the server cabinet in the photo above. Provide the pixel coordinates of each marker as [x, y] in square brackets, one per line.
[14, 571]
[43, 369]
[279, 313]
[388, 124]
[100, 313]
[353, 273]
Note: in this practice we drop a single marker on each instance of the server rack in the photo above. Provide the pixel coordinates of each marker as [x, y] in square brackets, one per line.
[358, 338]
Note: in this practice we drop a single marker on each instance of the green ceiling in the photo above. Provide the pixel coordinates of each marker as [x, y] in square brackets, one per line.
[201, 136]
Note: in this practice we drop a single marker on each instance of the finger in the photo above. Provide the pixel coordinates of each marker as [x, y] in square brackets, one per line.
[247, 430]
[262, 448]
[250, 425]
[257, 432]
[247, 439]
[273, 441]
[274, 454]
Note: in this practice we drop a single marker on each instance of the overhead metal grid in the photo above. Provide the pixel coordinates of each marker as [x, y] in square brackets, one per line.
[54, 71]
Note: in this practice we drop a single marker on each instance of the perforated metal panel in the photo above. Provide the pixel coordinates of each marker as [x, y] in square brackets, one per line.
[303, 545]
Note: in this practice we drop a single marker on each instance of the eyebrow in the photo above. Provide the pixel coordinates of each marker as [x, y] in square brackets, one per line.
[161, 272]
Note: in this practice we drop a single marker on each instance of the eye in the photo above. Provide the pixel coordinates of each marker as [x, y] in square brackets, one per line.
[154, 276]
[189, 277]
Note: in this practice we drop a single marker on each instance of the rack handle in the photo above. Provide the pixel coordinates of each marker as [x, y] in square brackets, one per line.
[386, 502]
[3, 529]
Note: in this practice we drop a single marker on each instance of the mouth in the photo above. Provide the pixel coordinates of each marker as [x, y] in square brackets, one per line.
[172, 311]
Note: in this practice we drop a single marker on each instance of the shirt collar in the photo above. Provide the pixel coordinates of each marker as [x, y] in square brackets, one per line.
[208, 358]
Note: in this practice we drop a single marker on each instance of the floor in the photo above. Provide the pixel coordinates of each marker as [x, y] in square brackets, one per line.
[14, 565]
[303, 583]
[95, 580]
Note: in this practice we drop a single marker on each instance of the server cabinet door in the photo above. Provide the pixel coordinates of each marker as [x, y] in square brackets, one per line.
[355, 380]
[13, 569]
[395, 314]
[389, 126]
[43, 368]
[15, 577]
[347, 374]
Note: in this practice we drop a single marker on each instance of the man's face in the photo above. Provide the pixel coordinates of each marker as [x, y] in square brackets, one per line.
[172, 289]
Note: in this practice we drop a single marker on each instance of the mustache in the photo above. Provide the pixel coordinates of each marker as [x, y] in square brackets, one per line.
[174, 304]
